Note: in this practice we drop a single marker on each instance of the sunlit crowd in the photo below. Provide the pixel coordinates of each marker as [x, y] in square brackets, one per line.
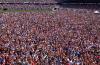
[49, 38]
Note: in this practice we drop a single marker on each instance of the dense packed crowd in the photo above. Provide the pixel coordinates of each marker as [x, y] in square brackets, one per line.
[43, 1]
[27, 7]
[50, 7]
[50, 38]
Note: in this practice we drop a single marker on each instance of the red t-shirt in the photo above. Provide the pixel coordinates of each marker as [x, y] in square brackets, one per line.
[98, 57]
[67, 64]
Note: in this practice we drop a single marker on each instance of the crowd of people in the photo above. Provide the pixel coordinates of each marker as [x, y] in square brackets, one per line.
[37, 1]
[77, 7]
[26, 7]
[49, 38]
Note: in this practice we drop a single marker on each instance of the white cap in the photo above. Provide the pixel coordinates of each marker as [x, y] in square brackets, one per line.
[96, 12]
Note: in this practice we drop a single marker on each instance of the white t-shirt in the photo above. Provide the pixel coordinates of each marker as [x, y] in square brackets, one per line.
[70, 62]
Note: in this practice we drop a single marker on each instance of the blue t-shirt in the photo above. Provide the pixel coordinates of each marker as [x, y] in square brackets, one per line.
[15, 63]
[57, 61]
[0, 60]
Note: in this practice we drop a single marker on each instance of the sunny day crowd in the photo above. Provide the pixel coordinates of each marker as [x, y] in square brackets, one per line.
[49, 38]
